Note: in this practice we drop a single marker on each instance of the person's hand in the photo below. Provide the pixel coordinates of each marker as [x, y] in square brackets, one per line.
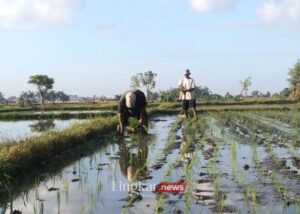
[131, 130]
[120, 128]
[142, 121]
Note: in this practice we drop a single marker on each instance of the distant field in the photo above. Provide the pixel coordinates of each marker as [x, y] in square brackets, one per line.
[113, 105]
[90, 110]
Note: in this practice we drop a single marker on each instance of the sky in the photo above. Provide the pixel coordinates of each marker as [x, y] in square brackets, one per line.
[94, 47]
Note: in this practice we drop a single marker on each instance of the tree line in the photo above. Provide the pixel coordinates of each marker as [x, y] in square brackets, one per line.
[44, 89]
[44, 86]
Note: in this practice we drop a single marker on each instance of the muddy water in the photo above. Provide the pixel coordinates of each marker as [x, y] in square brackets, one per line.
[20, 129]
[219, 167]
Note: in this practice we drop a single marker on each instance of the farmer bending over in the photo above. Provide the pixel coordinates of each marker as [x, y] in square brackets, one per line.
[132, 104]
[187, 93]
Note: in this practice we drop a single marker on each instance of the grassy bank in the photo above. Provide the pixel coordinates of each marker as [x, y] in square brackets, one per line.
[25, 181]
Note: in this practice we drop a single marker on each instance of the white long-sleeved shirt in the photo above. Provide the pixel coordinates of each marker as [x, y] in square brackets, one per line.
[187, 84]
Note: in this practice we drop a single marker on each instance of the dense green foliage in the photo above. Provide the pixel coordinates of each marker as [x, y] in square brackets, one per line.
[146, 80]
[43, 84]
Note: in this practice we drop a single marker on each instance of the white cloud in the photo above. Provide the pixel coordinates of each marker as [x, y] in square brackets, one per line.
[203, 6]
[31, 13]
[280, 11]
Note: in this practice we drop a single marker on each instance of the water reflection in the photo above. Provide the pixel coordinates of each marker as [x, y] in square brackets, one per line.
[187, 152]
[133, 159]
[42, 126]
[17, 130]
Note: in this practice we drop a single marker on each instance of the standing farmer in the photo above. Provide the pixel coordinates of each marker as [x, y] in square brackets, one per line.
[187, 93]
[132, 104]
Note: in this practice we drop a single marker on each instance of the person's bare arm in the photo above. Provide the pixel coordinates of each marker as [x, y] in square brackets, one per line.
[142, 115]
[121, 125]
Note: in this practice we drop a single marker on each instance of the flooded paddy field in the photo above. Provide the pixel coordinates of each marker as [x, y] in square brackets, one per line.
[241, 162]
[58, 114]
[70, 112]
[15, 130]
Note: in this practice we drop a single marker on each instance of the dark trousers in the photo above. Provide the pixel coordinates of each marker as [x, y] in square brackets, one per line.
[186, 104]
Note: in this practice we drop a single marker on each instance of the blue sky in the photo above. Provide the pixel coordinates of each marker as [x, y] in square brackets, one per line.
[94, 47]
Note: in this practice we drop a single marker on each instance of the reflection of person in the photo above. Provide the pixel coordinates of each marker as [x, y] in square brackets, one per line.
[189, 154]
[187, 93]
[132, 104]
[133, 163]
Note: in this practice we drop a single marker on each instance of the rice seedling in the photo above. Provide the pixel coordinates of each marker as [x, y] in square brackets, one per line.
[38, 207]
[58, 201]
[275, 180]
[188, 192]
[159, 202]
[65, 190]
[248, 190]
